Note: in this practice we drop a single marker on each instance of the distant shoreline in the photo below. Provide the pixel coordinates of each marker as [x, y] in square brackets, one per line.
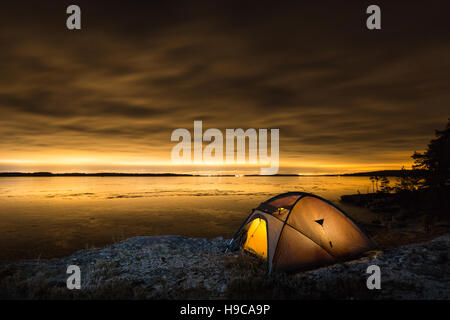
[386, 173]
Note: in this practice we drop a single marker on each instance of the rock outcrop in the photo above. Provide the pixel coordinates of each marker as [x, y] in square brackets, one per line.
[175, 267]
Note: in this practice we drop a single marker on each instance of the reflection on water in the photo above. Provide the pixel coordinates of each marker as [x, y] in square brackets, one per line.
[55, 216]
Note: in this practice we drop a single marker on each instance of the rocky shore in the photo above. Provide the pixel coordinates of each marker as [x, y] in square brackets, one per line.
[174, 267]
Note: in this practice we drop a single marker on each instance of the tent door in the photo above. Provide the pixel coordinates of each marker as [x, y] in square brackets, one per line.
[256, 241]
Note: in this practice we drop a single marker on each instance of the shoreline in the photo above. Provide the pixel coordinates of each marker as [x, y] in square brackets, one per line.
[381, 173]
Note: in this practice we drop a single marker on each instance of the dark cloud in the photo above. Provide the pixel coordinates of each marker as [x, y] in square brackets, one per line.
[339, 93]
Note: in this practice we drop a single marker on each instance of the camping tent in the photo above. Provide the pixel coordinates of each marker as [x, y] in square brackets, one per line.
[296, 231]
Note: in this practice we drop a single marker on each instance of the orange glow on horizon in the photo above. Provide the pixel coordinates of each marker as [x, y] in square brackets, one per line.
[117, 164]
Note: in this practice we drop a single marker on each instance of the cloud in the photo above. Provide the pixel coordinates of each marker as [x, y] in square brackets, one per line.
[339, 93]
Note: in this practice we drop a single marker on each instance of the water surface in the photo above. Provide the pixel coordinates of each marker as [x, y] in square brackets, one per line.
[54, 216]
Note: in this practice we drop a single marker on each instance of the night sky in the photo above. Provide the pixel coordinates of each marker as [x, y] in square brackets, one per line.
[107, 97]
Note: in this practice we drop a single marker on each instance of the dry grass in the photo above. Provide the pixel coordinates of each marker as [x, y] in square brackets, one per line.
[399, 237]
[250, 280]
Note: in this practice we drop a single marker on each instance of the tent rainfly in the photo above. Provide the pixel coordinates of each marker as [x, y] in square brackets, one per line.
[297, 231]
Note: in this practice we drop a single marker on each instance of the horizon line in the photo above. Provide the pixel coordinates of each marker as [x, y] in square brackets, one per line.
[168, 174]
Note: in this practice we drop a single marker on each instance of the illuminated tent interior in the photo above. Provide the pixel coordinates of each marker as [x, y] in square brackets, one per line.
[298, 231]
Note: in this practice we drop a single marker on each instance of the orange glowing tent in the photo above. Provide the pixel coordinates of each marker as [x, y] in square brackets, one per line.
[297, 231]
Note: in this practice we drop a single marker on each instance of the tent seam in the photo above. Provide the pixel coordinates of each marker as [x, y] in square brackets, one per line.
[282, 229]
[306, 236]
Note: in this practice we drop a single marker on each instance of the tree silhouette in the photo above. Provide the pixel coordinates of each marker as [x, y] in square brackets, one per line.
[435, 161]
[374, 180]
[409, 181]
[385, 185]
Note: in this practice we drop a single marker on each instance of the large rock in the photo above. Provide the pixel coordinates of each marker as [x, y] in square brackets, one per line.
[175, 267]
